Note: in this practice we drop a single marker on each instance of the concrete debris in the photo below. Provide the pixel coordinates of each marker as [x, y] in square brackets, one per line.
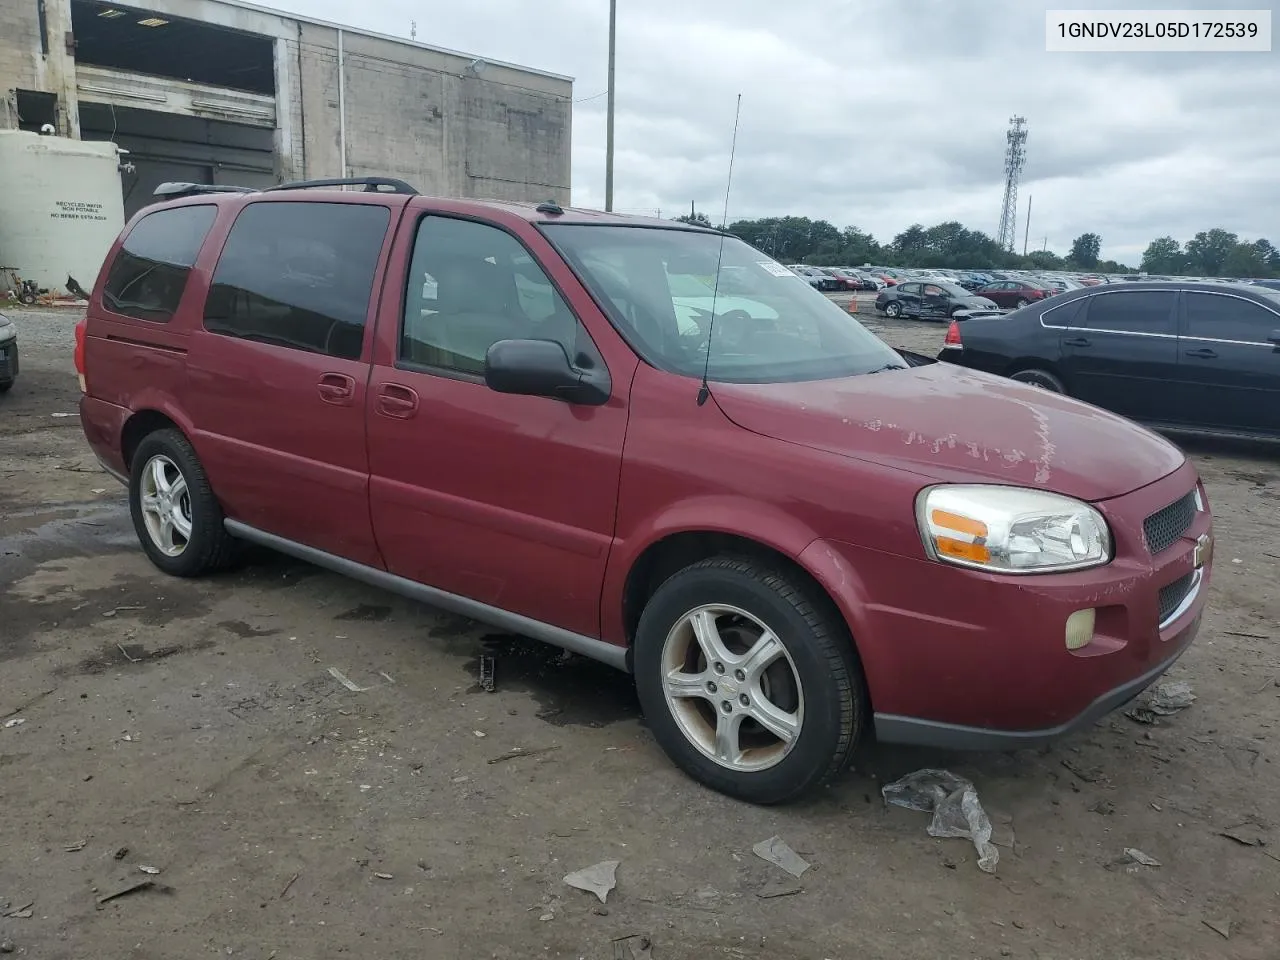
[599, 878]
[776, 851]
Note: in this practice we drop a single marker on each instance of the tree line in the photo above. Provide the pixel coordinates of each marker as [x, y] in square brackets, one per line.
[1210, 253]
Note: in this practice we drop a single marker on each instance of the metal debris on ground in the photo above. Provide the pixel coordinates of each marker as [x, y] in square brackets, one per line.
[776, 851]
[1170, 697]
[384, 876]
[343, 679]
[76, 847]
[23, 912]
[15, 722]
[1137, 856]
[148, 869]
[953, 801]
[127, 655]
[516, 752]
[132, 888]
[779, 888]
[599, 878]
[1087, 774]
[1220, 927]
[488, 683]
[288, 886]
[633, 948]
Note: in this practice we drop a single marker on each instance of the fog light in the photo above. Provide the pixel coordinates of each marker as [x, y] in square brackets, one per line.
[1080, 628]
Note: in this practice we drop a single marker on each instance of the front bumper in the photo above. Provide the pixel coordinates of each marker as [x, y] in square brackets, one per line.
[958, 658]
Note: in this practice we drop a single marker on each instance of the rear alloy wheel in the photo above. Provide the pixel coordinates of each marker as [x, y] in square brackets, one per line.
[893, 309]
[175, 514]
[1040, 378]
[749, 684]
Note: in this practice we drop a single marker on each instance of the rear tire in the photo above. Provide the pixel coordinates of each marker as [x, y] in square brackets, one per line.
[178, 520]
[748, 680]
[1040, 378]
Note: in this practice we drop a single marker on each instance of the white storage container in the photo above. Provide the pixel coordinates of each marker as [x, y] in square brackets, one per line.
[60, 207]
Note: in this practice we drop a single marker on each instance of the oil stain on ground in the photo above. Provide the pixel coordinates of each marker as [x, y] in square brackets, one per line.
[366, 612]
[570, 690]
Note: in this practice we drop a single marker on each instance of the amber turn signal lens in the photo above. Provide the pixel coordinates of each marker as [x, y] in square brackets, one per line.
[963, 550]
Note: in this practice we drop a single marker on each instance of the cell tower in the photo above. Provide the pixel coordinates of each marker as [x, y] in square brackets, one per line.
[1015, 155]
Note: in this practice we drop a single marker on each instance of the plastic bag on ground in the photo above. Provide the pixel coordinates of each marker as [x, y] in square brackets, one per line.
[953, 801]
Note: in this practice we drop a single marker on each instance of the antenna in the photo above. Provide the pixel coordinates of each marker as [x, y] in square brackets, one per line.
[704, 391]
[1015, 157]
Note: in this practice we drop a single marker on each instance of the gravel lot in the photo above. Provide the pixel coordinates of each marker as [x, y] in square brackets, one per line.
[194, 727]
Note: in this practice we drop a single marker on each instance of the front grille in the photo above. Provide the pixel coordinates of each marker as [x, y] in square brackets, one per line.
[1164, 527]
[1174, 594]
[8, 362]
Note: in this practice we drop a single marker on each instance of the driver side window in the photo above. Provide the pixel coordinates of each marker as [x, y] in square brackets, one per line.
[471, 285]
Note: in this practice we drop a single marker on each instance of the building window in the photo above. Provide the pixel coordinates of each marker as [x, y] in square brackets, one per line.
[299, 275]
[36, 110]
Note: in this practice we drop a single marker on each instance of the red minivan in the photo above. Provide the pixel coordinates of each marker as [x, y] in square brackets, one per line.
[647, 443]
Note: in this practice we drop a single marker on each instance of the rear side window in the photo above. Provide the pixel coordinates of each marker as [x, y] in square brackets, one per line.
[149, 274]
[299, 275]
[1215, 317]
[1137, 311]
[1065, 314]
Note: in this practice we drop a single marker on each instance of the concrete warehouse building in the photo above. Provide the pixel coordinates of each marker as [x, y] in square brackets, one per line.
[218, 91]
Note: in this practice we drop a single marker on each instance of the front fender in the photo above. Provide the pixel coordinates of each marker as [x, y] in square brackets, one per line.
[712, 513]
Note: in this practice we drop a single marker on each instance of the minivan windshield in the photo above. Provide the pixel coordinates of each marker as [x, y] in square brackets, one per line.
[662, 286]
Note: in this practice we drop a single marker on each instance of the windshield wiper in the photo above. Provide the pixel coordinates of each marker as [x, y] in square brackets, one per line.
[890, 366]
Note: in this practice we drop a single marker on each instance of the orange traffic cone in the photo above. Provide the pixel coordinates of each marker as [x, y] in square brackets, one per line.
[853, 304]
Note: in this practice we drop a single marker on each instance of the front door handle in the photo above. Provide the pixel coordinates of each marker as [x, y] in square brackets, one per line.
[1205, 354]
[1076, 342]
[337, 388]
[397, 401]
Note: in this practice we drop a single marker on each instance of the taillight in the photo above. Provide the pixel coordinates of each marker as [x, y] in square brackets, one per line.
[953, 335]
[79, 354]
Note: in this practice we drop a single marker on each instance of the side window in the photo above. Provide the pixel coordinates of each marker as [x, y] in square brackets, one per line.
[1228, 318]
[932, 291]
[298, 275]
[909, 288]
[484, 287]
[149, 274]
[1138, 311]
[1067, 314]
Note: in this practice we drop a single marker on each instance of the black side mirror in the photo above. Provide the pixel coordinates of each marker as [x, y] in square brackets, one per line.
[541, 368]
[1275, 338]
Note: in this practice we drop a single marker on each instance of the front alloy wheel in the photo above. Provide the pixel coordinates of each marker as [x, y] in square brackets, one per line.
[732, 687]
[749, 679]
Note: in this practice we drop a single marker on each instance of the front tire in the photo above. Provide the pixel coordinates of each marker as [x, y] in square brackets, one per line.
[1022, 302]
[893, 310]
[177, 518]
[749, 680]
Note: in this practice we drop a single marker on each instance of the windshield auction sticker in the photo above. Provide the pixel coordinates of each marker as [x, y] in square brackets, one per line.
[1158, 31]
[777, 269]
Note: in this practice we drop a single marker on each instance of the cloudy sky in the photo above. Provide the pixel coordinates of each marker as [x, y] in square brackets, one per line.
[883, 113]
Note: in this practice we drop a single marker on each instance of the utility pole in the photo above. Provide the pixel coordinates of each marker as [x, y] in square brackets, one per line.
[608, 145]
[1026, 236]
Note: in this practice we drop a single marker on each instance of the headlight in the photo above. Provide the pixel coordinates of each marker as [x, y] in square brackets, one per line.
[1011, 529]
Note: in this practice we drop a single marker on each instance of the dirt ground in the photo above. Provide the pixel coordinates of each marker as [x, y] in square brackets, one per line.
[195, 728]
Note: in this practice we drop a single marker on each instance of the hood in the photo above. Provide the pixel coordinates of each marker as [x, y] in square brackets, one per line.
[980, 303]
[951, 424]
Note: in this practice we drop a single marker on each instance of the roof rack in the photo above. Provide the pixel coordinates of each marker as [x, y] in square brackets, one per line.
[370, 184]
[172, 190]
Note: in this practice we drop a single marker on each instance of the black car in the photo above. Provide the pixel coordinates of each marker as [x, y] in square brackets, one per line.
[8, 353]
[1193, 357]
[933, 301]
